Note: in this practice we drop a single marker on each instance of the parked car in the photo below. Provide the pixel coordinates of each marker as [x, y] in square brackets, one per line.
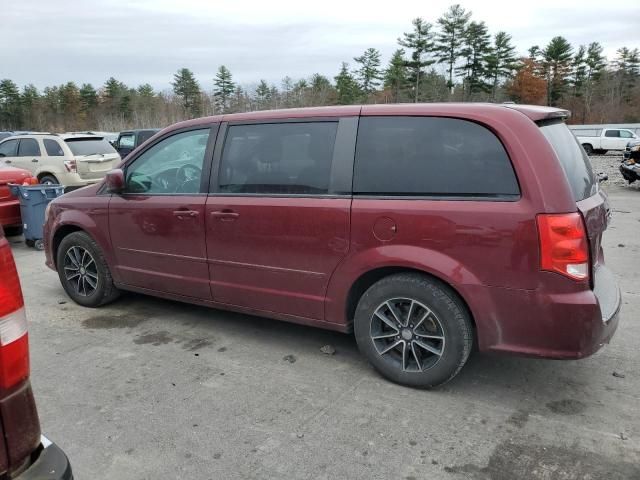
[69, 160]
[129, 140]
[423, 228]
[630, 166]
[10, 205]
[600, 141]
[25, 454]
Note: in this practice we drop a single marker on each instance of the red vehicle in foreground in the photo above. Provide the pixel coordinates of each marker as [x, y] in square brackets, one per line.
[10, 205]
[421, 228]
[25, 454]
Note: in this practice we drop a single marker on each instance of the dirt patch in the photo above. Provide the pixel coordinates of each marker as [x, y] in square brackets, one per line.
[196, 344]
[547, 462]
[156, 339]
[109, 322]
[568, 406]
[519, 418]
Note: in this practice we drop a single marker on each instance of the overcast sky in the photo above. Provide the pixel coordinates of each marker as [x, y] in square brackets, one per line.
[47, 42]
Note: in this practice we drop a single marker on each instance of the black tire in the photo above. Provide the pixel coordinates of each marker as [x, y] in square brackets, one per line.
[48, 179]
[587, 148]
[448, 319]
[92, 296]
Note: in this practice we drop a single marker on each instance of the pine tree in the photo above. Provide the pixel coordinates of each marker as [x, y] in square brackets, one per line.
[145, 90]
[10, 111]
[347, 88]
[475, 52]
[88, 97]
[29, 102]
[263, 95]
[578, 71]
[224, 88]
[395, 76]
[420, 43]
[557, 67]
[450, 39]
[369, 73]
[501, 62]
[187, 88]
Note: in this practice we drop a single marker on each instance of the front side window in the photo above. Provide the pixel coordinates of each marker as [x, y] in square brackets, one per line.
[8, 148]
[28, 148]
[172, 166]
[278, 158]
[626, 134]
[430, 156]
[612, 133]
[53, 148]
[127, 141]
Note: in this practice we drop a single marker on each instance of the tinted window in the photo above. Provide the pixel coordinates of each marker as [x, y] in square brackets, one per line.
[145, 135]
[28, 148]
[430, 156]
[127, 141]
[173, 165]
[612, 133]
[282, 158]
[9, 148]
[53, 148]
[89, 146]
[626, 134]
[573, 159]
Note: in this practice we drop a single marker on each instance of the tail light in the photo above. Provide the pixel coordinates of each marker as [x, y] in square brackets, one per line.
[564, 247]
[14, 344]
[71, 166]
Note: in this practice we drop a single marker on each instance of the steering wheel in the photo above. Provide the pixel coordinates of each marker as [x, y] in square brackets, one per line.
[186, 175]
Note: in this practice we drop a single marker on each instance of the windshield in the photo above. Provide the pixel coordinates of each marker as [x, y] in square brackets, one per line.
[574, 160]
[89, 146]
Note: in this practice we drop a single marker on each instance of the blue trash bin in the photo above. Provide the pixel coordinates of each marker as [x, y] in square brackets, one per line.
[33, 202]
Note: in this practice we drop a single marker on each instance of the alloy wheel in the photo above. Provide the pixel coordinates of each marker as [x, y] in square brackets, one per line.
[407, 334]
[81, 271]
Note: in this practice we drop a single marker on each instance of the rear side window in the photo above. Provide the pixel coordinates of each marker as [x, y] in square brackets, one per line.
[573, 159]
[144, 136]
[89, 146]
[28, 148]
[612, 133]
[53, 148]
[278, 158]
[9, 148]
[431, 156]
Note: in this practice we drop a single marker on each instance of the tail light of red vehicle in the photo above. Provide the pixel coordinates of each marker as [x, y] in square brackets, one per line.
[564, 246]
[14, 343]
[71, 166]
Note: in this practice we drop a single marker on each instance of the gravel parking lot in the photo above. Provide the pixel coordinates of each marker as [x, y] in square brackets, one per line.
[148, 389]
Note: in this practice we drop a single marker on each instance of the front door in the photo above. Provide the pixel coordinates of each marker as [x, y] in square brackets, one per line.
[277, 225]
[157, 224]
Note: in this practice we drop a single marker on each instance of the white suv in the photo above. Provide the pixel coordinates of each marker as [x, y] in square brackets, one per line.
[68, 159]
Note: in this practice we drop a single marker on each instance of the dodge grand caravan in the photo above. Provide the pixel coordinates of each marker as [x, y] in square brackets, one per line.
[422, 229]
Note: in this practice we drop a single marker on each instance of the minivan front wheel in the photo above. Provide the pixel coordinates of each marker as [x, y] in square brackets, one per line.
[413, 330]
[83, 271]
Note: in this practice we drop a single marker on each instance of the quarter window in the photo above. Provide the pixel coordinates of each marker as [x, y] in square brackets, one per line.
[172, 166]
[53, 148]
[8, 148]
[430, 156]
[28, 148]
[279, 158]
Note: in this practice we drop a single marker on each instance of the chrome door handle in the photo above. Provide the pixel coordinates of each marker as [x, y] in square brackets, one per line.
[185, 213]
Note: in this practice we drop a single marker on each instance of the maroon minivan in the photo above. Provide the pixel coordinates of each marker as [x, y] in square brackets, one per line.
[422, 228]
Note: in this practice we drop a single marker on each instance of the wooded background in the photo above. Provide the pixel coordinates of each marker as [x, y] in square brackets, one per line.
[455, 59]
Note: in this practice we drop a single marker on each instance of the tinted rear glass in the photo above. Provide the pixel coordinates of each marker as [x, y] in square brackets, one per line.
[89, 146]
[574, 160]
[431, 156]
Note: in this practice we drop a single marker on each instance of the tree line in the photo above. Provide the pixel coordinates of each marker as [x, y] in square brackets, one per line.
[455, 59]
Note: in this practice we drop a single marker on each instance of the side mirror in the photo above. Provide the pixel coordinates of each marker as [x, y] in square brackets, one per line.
[115, 181]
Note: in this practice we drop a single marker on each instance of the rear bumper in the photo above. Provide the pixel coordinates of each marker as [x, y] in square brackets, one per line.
[51, 464]
[551, 323]
[631, 173]
[10, 213]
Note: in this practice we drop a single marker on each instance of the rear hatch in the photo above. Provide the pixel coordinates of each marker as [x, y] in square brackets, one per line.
[94, 156]
[10, 175]
[592, 203]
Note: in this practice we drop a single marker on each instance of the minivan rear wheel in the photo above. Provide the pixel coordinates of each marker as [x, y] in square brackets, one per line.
[413, 330]
[83, 271]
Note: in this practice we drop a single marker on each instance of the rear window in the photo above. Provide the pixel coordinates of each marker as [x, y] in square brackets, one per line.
[574, 160]
[431, 156]
[89, 146]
